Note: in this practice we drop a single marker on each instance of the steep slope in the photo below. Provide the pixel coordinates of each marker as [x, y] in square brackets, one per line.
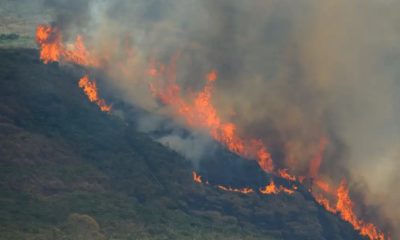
[69, 171]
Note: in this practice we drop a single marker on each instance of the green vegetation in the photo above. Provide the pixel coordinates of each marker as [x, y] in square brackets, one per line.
[13, 40]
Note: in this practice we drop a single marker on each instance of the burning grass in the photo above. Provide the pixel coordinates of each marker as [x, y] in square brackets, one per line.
[199, 113]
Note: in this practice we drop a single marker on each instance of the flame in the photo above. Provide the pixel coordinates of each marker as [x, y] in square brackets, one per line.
[198, 112]
[201, 113]
[196, 178]
[324, 186]
[285, 174]
[52, 48]
[315, 163]
[90, 89]
[49, 41]
[324, 202]
[345, 207]
[239, 190]
[271, 188]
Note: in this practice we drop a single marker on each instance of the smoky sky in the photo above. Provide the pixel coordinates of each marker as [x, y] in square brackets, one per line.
[290, 72]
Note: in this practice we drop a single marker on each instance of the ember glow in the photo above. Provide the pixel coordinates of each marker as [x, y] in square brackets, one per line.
[90, 89]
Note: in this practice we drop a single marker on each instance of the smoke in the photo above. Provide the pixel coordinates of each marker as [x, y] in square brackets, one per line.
[290, 73]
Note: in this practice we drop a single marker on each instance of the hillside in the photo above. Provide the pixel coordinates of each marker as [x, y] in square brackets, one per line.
[69, 171]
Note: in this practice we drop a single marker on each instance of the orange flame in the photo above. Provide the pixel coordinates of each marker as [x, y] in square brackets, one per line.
[315, 163]
[196, 178]
[285, 174]
[324, 202]
[90, 89]
[324, 186]
[271, 188]
[345, 206]
[49, 41]
[52, 48]
[239, 190]
[201, 113]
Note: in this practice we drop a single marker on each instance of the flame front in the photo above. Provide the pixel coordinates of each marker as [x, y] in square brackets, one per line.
[239, 190]
[200, 113]
[345, 207]
[52, 48]
[267, 190]
[90, 89]
[273, 189]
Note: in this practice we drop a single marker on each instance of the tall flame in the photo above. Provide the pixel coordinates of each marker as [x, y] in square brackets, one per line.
[49, 40]
[52, 48]
[345, 206]
[90, 89]
[201, 113]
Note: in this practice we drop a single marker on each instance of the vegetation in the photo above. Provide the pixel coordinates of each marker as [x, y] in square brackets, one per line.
[69, 171]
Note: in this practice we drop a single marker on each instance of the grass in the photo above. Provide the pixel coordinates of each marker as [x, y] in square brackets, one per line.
[69, 171]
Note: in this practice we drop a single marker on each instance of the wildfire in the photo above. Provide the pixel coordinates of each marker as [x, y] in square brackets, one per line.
[52, 48]
[198, 112]
[315, 163]
[49, 41]
[271, 188]
[90, 89]
[201, 113]
[284, 174]
[239, 190]
[196, 178]
[324, 202]
[345, 207]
